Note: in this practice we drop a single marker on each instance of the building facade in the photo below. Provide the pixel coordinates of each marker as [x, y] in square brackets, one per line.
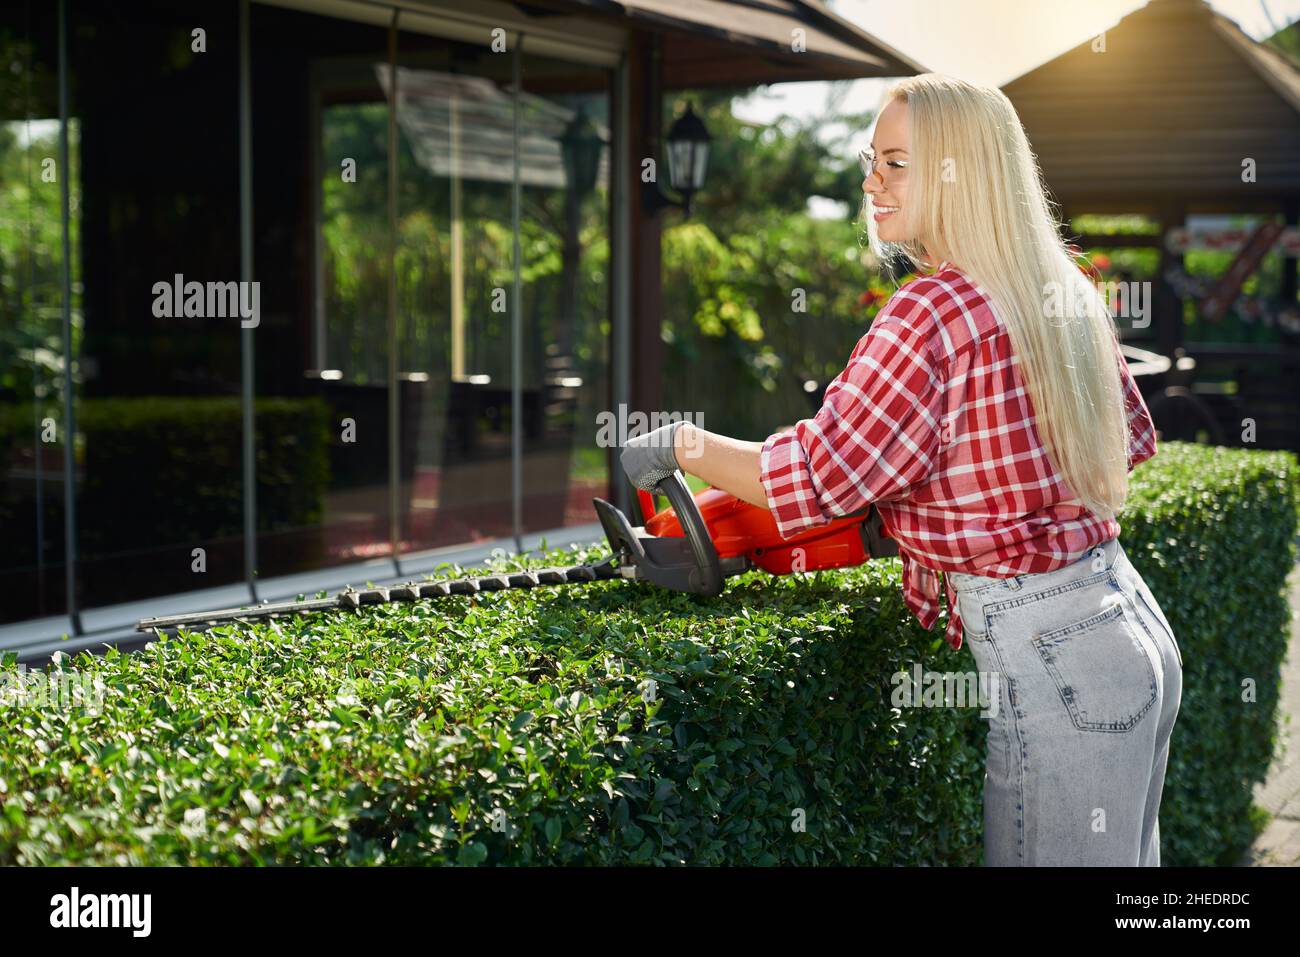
[308, 293]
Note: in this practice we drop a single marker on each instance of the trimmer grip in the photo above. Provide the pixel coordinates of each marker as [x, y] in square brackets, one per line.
[708, 570]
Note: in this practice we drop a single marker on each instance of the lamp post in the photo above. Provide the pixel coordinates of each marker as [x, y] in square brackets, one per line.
[580, 145]
[688, 158]
[580, 149]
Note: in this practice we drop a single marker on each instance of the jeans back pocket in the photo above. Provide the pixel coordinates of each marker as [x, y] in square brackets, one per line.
[1101, 670]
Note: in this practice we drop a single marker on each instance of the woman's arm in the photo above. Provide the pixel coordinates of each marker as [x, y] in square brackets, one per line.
[725, 463]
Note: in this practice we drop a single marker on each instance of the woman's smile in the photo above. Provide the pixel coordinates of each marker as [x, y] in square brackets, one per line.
[885, 167]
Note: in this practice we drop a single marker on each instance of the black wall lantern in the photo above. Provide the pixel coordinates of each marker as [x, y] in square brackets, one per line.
[688, 159]
[580, 145]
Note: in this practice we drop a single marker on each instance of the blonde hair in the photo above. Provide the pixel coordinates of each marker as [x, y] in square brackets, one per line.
[975, 198]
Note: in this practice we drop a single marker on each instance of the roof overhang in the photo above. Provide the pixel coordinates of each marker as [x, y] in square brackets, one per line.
[722, 43]
[705, 43]
[1166, 113]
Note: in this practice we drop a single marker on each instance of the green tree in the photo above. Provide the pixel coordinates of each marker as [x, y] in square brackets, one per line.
[756, 290]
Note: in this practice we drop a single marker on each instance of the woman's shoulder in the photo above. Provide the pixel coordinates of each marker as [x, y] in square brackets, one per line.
[946, 305]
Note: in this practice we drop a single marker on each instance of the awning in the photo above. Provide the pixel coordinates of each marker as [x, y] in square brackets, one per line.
[730, 43]
[721, 43]
[436, 110]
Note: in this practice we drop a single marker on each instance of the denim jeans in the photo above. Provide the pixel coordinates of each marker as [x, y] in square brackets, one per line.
[1088, 677]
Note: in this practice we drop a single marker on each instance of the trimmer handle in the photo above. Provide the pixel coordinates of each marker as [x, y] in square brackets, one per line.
[696, 532]
[689, 563]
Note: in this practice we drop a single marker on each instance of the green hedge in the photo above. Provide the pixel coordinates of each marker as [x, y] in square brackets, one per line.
[523, 727]
[178, 463]
[162, 469]
[1213, 532]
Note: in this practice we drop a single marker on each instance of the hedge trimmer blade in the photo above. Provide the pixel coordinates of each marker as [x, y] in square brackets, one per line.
[682, 548]
[411, 591]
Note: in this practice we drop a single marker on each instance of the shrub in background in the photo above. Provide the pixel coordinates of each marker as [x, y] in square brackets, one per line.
[163, 469]
[153, 462]
[1213, 532]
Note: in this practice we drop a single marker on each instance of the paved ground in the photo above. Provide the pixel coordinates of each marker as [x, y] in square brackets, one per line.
[1279, 845]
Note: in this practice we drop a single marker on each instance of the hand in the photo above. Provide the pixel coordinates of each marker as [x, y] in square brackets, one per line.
[650, 458]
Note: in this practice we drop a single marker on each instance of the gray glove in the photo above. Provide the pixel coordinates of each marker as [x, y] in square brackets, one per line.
[650, 458]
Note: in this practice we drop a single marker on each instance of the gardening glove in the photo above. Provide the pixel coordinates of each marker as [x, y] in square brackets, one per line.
[650, 458]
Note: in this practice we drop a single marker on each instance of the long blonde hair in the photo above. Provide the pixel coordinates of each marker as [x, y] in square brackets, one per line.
[975, 198]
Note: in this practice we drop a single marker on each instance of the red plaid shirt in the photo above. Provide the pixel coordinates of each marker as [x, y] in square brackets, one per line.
[931, 421]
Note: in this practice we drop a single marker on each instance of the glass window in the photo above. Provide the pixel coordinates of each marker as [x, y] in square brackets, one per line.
[158, 303]
[565, 230]
[456, 283]
[320, 237]
[156, 298]
[32, 572]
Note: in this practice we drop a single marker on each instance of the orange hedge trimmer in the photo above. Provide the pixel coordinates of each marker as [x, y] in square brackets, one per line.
[691, 546]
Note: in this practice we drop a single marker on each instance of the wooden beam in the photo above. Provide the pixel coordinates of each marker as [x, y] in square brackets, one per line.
[1168, 307]
[1290, 267]
[646, 127]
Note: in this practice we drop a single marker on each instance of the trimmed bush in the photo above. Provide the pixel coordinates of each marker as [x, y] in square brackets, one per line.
[162, 467]
[618, 723]
[157, 469]
[1213, 532]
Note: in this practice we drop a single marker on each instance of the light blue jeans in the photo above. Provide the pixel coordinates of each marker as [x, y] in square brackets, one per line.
[1089, 677]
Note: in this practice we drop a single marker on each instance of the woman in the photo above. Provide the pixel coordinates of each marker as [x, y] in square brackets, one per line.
[990, 415]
